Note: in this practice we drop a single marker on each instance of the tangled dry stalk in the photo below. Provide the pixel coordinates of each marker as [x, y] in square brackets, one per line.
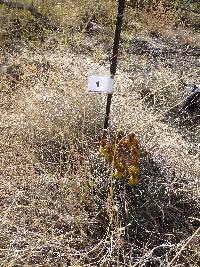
[59, 206]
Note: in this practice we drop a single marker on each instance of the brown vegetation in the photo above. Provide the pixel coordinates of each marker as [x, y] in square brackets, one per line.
[59, 204]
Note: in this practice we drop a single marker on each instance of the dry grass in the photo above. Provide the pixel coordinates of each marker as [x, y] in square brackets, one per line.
[59, 206]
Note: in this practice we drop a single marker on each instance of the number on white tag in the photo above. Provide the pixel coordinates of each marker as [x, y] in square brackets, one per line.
[100, 84]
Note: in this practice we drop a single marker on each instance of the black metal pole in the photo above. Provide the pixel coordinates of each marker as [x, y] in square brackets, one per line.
[113, 66]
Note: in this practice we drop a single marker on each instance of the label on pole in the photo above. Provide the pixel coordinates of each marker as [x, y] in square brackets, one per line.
[100, 84]
[194, 89]
[197, 88]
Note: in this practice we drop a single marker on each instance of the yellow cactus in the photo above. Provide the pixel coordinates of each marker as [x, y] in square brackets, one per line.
[133, 180]
[134, 170]
[104, 152]
[124, 154]
[118, 175]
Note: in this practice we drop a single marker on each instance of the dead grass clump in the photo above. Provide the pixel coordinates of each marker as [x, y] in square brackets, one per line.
[68, 18]
[47, 220]
[160, 18]
[59, 205]
[47, 188]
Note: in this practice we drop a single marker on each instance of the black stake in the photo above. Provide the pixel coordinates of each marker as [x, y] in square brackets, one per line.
[113, 66]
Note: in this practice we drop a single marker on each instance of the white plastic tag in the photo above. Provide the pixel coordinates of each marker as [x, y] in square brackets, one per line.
[100, 84]
[197, 89]
[193, 89]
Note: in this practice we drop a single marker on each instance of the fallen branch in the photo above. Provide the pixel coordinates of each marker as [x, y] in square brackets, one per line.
[45, 21]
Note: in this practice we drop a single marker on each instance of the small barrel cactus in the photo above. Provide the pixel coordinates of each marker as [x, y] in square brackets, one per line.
[123, 153]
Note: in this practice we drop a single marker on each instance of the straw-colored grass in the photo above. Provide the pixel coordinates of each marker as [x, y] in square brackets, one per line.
[59, 205]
